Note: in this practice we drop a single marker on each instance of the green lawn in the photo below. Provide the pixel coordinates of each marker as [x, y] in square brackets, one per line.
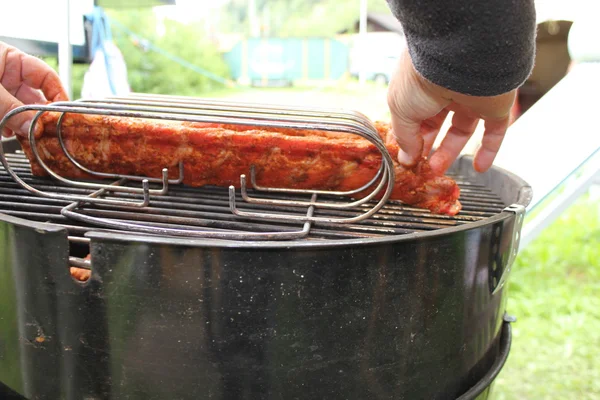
[555, 294]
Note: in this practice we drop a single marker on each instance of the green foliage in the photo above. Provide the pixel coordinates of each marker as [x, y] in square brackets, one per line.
[554, 292]
[152, 72]
[10, 368]
[297, 17]
[328, 18]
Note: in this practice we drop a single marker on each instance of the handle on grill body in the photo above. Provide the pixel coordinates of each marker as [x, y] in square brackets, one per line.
[505, 247]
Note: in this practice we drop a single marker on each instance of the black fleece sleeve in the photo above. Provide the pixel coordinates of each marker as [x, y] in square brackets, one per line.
[474, 47]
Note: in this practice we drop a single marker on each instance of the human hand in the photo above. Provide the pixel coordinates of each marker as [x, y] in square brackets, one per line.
[420, 107]
[25, 79]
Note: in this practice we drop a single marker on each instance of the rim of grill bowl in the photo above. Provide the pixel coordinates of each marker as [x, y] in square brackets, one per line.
[522, 194]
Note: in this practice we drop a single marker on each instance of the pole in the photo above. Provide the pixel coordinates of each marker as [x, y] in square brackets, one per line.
[253, 19]
[65, 55]
[362, 41]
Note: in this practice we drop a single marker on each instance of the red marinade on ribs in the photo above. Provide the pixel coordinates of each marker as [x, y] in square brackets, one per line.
[217, 154]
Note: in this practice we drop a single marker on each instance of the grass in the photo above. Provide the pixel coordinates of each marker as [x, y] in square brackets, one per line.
[10, 369]
[555, 294]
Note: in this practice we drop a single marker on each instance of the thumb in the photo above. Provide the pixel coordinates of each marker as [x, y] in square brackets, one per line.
[411, 101]
[406, 130]
[18, 123]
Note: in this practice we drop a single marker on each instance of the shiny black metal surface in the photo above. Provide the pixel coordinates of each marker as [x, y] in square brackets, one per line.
[159, 319]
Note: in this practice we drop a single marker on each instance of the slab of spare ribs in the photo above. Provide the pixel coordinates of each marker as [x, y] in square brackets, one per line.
[216, 154]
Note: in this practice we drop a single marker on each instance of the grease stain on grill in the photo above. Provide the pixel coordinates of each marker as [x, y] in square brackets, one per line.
[207, 208]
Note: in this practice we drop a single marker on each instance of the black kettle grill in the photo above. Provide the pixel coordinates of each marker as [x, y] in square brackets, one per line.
[401, 305]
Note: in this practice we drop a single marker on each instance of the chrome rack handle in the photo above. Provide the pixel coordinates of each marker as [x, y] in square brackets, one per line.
[255, 200]
[164, 180]
[255, 186]
[123, 189]
[201, 114]
[269, 111]
[287, 217]
[80, 263]
[70, 212]
[123, 203]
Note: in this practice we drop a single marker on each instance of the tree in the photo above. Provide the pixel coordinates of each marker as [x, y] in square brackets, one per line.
[296, 17]
[150, 71]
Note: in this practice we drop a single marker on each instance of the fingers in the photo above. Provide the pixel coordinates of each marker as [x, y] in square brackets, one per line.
[411, 102]
[19, 68]
[430, 129]
[418, 110]
[407, 135]
[494, 133]
[463, 127]
[27, 95]
[21, 79]
[39, 75]
[405, 125]
[19, 123]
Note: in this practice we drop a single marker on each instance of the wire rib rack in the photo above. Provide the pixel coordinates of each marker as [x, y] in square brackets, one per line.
[121, 194]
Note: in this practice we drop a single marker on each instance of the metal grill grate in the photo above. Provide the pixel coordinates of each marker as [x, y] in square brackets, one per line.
[208, 209]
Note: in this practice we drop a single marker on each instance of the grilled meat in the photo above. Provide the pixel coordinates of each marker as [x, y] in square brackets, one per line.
[81, 274]
[216, 154]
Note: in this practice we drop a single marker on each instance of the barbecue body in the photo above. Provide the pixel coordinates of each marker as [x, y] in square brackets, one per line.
[216, 154]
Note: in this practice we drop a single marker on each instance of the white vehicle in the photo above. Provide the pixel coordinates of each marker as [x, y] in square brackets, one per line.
[377, 55]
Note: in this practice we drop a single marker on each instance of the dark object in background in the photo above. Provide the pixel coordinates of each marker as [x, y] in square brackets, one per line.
[552, 62]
